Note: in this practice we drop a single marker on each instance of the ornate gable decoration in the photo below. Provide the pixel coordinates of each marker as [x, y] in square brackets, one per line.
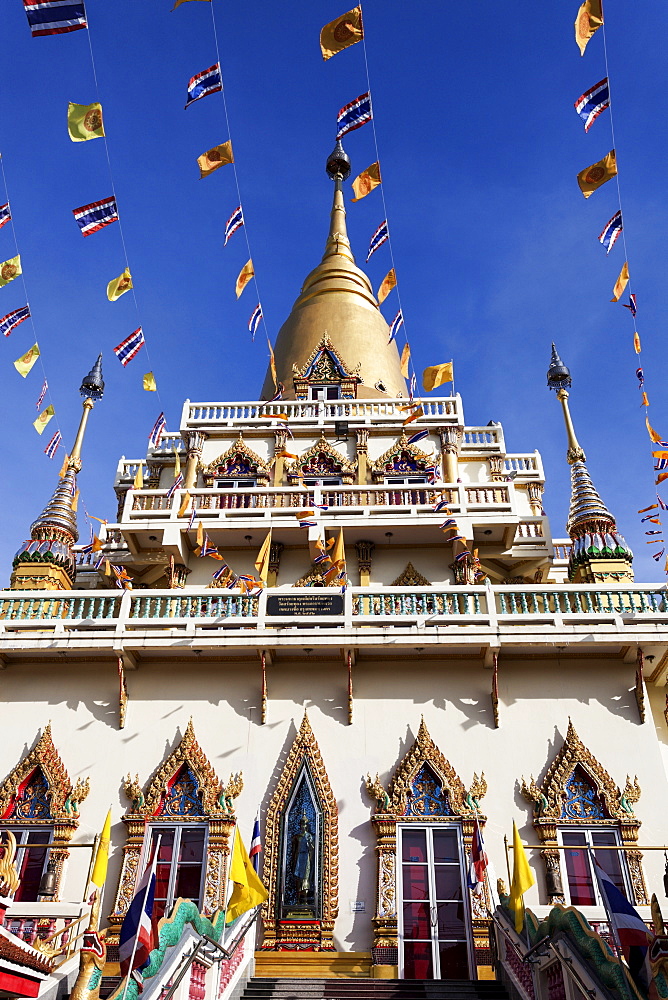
[326, 367]
[577, 788]
[322, 461]
[237, 462]
[411, 578]
[401, 459]
[185, 785]
[39, 788]
[413, 790]
[304, 750]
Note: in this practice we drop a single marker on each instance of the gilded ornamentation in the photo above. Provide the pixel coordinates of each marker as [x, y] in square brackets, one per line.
[230, 791]
[325, 366]
[577, 790]
[311, 936]
[387, 905]
[411, 578]
[316, 578]
[134, 793]
[400, 460]
[238, 461]
[9, 879]
[376, 792]
[322, 461]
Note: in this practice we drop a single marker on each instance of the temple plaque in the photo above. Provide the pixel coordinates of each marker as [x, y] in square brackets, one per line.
[305, 604]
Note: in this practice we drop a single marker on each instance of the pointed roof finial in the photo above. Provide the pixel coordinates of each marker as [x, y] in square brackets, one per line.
[338, 163]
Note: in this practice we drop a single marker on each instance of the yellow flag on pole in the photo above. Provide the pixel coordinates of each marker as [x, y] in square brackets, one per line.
[262, 561]
[365, 182]
[43, 418]
[588, 21]
[64, 466]
[522, 879]
[621, 283]
[149, 382]
[75, 500]
[26, 361]
[436, 375]
[119, 286]
[405, 358]
[185, 503]
[216, 157]
[245, 274]
[102, 854]
[138, 481]
[272, 363]
[248, 889]
[9, 270]
[339, 34]
[387, 284]
[597, 174]
[177, 465]
[84, 121]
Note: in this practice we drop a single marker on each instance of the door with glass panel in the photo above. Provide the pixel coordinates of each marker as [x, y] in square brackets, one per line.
[435, 940]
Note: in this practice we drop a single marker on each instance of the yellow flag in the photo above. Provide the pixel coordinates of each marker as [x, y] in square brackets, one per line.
[339, 34]
[522, 879]
[248, 889]
[64, 466]
[214, 158]
[177, 465]
[593, 177]
[119, 286]
[338, 558]
[25, 363]
[589, 20]
[645, 400]
[245, 275]
[405, 357]
[84, 121]
[200, 535]
[179, 2]
[262, 561]
[388, 283]
[436, 375]
[9, 269]
[365, 182]
[43, 418]
[654, 436]
[138, 482]
[621, 283]
[272, 359]
[636, 343]
[75, 501]
[149, 383]
[185, 503]
[102, 854]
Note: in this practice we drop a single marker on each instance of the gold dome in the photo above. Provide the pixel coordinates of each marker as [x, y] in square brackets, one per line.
[337, 301]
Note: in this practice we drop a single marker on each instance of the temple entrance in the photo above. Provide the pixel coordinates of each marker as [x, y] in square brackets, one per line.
[434, 921]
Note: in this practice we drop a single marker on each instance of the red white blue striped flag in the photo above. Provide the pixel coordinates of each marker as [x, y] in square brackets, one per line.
[55, 17]
[611, 232]
[13, 319]
[130, 347]
[254, 321]
[53, 445]
[157, 431]
[138, 932]
[378, 238]
[202, 84]
[397, 323]
[5, 214]
[97, 215]
[354, 115]
[235, 221]
[595, 100]
[255, 853]
[42, 393]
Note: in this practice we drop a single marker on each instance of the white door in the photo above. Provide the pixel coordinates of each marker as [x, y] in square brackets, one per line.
[435, 936]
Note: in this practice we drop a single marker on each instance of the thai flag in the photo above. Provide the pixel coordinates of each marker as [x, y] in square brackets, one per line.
[255, 853]
[632, 305]
[235, 221]
[42, 393]
[96, 216]
[662, 503]
[354, 115]
[13, 319]
[595, 100]
[5, 215]
[254, 321]
[412, 390]
[611, 232]
[418, 436]
[176, 485]
[53, 445]
[202, 84]
[278, 394]
[128, 348]
[657, 555]
[629, 927]
[157, 431]
[640, 376]
[661, 464]
[55, 17]
[397, 324]
[378, 238]
[138, 932]
[479, 862]
[193, 515]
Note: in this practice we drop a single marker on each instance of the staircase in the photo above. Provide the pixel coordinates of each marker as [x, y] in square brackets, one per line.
[373, 989]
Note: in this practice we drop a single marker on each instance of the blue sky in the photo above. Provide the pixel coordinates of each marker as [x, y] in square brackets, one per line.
[495, 247]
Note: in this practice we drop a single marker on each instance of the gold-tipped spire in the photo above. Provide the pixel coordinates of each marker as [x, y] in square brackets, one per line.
[599, 551]
[46, 561]
[337, 300]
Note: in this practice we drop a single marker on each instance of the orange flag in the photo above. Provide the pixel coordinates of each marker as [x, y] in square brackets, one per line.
[388, 283]
[654, 436]
[405, 357]
[636, 343]
[245, 274]
[588, 21]
[645, 400]
[272, 359]
[621, 283]
[414, 416]
[214, 158]
[597, 174]
[365, 182]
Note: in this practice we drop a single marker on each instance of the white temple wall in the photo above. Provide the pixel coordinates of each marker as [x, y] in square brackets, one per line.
[537, 698]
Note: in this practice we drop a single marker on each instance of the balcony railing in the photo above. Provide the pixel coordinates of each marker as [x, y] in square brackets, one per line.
[359, 411]
[207, 611]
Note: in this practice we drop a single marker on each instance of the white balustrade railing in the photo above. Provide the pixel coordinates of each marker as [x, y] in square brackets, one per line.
[364, 411]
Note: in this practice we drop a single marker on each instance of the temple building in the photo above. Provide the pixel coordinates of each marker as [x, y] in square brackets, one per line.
[343, 609]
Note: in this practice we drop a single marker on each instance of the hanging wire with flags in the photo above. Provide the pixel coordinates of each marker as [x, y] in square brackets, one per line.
[130, 347]
[379, 237]
[235, 221]
[202, 84]
[352, 116]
